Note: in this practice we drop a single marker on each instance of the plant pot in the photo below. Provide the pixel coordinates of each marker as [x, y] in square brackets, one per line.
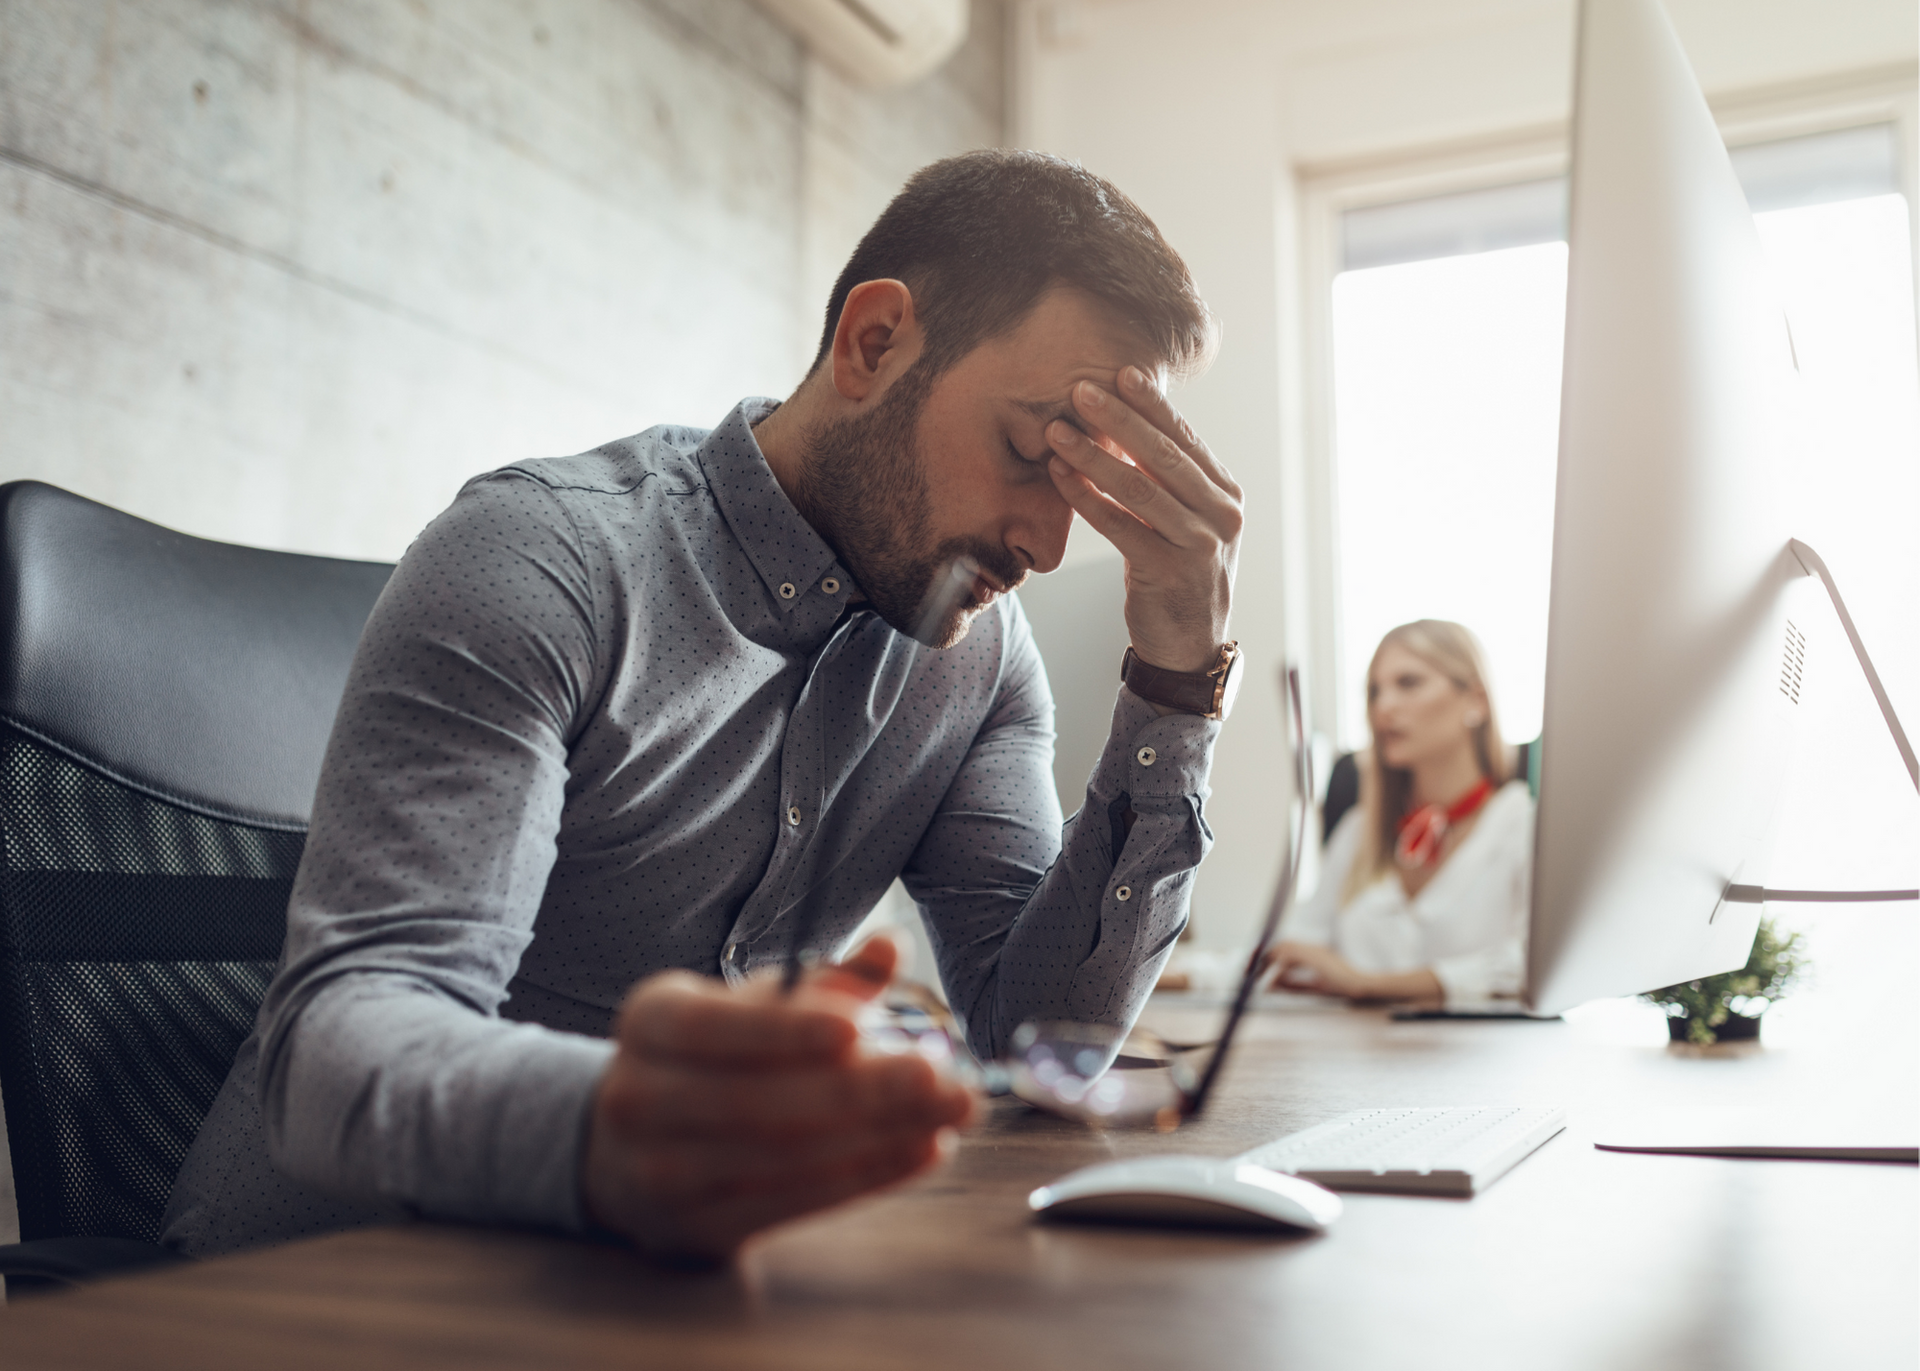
[1738, 1028]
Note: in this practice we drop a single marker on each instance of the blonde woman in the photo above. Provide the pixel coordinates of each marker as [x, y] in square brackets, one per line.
[1424, 892]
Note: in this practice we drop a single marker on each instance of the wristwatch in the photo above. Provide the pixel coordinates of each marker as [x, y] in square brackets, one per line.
[1207, 693]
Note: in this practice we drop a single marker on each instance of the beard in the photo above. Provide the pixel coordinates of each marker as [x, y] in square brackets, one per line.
[863, 487]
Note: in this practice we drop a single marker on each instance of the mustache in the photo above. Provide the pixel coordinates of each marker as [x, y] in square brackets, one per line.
[1002, 567]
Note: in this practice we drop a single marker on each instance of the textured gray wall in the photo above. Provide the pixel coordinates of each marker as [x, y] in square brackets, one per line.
[1076, 613]
[287, 273]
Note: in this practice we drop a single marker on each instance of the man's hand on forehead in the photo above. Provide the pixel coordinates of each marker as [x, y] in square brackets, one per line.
[1135, 470]
[1047, 411]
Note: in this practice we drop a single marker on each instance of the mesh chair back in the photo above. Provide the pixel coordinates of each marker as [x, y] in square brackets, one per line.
[164, 703]
[136, 939]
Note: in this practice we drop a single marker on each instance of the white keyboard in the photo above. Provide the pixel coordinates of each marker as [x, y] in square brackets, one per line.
[1459, 1151]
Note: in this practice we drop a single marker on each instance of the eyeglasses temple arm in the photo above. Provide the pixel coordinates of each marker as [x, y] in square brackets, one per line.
[1282, 899]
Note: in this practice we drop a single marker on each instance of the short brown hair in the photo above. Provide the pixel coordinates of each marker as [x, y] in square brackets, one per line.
[979, 238]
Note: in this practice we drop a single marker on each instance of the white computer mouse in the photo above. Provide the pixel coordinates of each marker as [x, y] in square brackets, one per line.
[1209, 1192]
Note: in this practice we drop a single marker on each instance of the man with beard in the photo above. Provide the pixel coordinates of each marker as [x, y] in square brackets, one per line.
[627, 729]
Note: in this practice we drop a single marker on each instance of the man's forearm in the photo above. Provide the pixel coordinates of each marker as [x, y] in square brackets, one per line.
[379, 1086]
[1090, 939]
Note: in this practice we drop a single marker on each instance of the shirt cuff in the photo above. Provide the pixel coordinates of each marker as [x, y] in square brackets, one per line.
[1170, 755]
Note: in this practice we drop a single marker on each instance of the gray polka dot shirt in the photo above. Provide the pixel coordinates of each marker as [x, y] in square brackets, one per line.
[615, 714]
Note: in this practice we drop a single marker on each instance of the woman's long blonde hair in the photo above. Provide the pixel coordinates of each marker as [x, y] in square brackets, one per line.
[1386, 793]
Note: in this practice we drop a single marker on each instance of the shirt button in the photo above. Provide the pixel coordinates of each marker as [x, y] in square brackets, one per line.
[1123, 893]
[788, 590]
[1146, 756]
[830, 586]
[793, 815]
[731, 949]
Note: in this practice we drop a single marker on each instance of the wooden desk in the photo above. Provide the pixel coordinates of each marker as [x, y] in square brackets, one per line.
[1577, 1259]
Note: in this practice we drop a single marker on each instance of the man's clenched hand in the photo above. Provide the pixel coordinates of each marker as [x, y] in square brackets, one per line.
[727, 1111]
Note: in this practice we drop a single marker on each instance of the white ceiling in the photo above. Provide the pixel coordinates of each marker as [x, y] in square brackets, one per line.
[1360, 75]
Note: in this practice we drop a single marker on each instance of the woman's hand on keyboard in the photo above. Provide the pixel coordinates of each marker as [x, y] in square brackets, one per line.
[1309, 966]
[726, 1111]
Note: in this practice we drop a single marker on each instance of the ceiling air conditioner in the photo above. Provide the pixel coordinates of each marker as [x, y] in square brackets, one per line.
[877, 42]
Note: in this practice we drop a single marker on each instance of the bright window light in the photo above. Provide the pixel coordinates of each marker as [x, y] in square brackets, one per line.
[1447, 381]
[1447, 400]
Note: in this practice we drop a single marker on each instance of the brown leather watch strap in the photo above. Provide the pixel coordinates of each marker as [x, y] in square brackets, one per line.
[1191, 692]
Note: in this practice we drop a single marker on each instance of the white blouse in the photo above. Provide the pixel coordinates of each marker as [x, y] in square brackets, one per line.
[1469, 923]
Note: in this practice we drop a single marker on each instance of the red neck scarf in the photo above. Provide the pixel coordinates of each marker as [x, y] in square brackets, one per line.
[1422, 831]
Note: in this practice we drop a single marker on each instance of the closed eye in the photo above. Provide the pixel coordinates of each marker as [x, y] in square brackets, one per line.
[1027, 471]
[1046, 447]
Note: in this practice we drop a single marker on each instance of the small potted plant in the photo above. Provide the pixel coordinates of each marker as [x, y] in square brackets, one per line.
[1727, 1007]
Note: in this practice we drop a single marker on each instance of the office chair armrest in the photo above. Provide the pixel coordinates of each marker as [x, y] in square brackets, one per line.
[75, 1260]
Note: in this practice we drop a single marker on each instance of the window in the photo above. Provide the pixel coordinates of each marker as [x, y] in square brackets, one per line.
[1447, 320]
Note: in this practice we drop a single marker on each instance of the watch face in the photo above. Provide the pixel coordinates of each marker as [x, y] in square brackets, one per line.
[1231, 686]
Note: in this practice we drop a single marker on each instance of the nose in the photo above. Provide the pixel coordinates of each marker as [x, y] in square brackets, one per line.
[1038, 536]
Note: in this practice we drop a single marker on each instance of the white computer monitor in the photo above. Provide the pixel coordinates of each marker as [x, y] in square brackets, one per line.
[1668, 722]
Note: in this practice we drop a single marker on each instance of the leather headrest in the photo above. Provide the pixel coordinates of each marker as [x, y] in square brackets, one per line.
[200, 672]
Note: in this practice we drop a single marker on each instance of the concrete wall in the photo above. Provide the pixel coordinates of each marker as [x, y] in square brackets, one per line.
[288, 273]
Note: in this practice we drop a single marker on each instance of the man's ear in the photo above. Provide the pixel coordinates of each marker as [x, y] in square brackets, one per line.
[876, 339]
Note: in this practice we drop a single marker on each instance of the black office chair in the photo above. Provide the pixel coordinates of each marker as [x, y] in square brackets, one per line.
[164, 704]
[1343, 783]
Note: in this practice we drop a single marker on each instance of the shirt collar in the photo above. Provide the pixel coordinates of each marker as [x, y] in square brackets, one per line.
[793, 560]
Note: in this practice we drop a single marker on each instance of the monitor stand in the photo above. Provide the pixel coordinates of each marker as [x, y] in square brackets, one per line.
[1765, 1133]
[1812, 565]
